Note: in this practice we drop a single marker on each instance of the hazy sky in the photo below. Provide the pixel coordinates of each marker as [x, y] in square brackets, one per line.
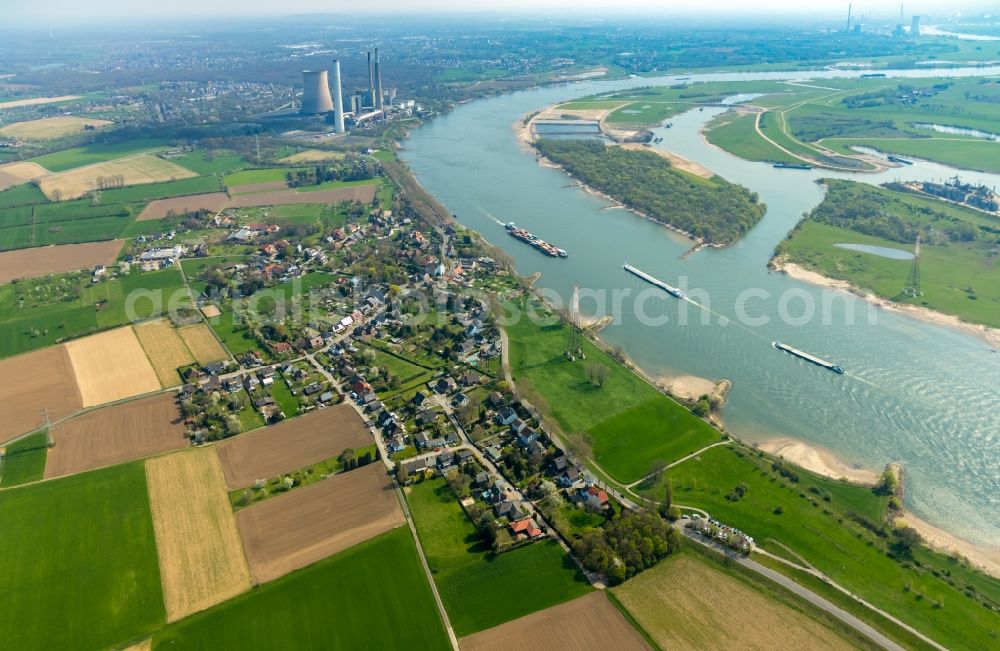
[61, 10]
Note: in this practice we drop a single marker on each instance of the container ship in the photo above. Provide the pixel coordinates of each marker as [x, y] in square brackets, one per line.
[670, 289]
[540, 244]
[806, 356]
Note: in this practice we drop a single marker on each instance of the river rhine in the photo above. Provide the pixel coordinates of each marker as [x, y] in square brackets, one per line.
[923, 395]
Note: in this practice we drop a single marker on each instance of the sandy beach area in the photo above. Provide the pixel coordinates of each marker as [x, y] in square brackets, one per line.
[986, 559]
[985, 333]
[687, 387]
[818, 460]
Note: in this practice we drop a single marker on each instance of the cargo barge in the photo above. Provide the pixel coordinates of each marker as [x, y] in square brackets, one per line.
[793, 166]
[670, 289]
[806, 356]
[538, 243]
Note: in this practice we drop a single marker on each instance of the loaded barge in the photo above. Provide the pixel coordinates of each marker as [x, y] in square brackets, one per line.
[806, 356]
[538, 243]
[670, 289]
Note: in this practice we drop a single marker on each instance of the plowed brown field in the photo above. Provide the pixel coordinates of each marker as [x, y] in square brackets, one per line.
[203, 344]
[361, 193]
[33, 382]
[308, 524]
[116, 434]
[589, 622]
[111, 366]
[201, 560]
[32, 263]
[166, 350]
[161, 208]
[291, 445]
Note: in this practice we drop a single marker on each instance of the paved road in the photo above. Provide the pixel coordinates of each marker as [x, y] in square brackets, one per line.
[865, 629]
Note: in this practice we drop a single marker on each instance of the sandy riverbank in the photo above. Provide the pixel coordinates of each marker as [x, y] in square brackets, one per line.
[985, 333]
[984, 558]
[675, 160]
[687, 387]
[818, 460]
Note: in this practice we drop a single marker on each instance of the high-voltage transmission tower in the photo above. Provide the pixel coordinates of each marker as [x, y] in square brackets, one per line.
[912, 287]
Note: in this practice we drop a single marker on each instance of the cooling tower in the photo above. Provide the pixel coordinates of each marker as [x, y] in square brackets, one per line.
[338, 99]
[378, 82]
[316, 98]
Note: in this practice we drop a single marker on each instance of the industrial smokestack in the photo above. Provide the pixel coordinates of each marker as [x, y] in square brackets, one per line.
[316, 98]
[378, 82]
[849, 16]
[914, 28]
[371, 80]
[338, 99]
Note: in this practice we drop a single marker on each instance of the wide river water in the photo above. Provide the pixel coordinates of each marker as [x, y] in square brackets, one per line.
[919, 394]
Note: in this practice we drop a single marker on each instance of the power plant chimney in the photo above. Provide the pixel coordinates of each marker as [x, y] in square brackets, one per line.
[338, 99]
[378, 82]
[915, 26]
[316, 98]
[371, 80]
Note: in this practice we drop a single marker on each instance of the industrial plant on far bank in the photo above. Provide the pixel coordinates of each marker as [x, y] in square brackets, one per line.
[363, 105]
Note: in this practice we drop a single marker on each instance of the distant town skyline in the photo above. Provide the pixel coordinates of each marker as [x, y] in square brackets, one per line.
[61, 11]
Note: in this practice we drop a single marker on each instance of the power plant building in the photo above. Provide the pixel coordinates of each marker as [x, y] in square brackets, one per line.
[915, 26]
[316, 97]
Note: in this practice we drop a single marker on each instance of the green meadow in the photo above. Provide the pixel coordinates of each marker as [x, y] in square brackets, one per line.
[630, 424]
[481, 590]
[24, 461]
[372, 596]
[82, 571]
[68, 159]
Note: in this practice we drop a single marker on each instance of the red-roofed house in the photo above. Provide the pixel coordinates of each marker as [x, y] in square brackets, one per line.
[595, 497]
[526, 527]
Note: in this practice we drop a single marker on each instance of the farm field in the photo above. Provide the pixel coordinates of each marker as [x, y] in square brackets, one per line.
[256, 188]
[112, 435]
[293, 530]
[111, 366]
[192, 185]
[360, 193]
[480, 590]
[836, 536]
[630, 424]
[202, 343]
[687, 601]
[51, 128]
[201, 560]
[588, 622]
[165, 349]
[134, 170]
[210, 162]
[67, 159]
[45, 383]
[376, 589]
[12, 174]
[312, 156]
[45, 261]
[161, 208]
[24, 194]
[291, 444]
[24, 461]
[90, 557]
[258, 176]
[35, 101]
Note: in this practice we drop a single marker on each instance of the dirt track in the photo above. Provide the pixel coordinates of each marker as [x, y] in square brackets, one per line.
[308, 524]
[32, 382]
[47, 260]
[161, 208]
[116, 434]
[362, 193]
[291, 445]
[588, 622]
[110, 366]
[201, 561]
